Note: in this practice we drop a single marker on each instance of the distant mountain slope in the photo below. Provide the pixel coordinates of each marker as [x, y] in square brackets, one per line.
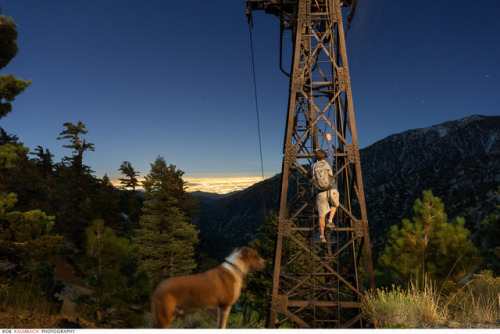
[233, 220]
[458, 160]
[210, 198]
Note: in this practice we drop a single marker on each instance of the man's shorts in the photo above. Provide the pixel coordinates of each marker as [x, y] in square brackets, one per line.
[324, 199]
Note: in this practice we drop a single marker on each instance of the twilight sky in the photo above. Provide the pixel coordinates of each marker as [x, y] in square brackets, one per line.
[174, 78]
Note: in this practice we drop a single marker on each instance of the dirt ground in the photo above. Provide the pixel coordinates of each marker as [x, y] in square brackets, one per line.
[12, 320]
[74, 286]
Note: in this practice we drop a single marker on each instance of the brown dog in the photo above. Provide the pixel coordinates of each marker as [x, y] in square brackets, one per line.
[219, 288]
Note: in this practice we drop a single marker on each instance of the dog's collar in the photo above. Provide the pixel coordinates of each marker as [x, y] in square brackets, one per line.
[238, 270]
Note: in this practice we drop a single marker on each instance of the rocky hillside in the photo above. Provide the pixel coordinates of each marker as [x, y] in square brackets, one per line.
[458, 160]
[233, 221]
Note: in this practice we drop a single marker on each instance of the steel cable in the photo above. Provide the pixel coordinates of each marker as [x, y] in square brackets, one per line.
[255, 94]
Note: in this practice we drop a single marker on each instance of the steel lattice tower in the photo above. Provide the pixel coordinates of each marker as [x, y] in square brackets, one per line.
[318, 285]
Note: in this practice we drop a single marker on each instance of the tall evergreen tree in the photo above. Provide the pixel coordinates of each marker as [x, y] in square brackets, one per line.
[31, 179]
[131, 180]
[429, 246]
[43, 183]
[6, 138]
[44, 160]
[10, 155]
[259, 283]
[107, 207]
[75, 185]
[132, 202]
[111, 270]
[11, 151]
[27, 242]
[488, 237]
[25, 236]
[10, 87]
[166, 237]
[79, 145]
[169, 178]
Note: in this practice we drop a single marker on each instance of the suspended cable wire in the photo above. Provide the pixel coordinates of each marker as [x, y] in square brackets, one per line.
[250, 22]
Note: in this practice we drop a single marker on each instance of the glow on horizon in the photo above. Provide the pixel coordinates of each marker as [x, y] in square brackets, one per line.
[218, 185]
[221, 185]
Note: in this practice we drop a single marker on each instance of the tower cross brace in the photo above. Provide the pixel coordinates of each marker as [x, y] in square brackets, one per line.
[314, 284]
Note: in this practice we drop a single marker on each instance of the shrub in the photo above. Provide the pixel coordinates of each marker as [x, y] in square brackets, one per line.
[22, 297]
[246, 318]
[429, 245]
[399, 308]
[195, 318]
[477, 301]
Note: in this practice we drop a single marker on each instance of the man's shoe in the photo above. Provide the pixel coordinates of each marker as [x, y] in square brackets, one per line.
[321, 239]
[330, 225]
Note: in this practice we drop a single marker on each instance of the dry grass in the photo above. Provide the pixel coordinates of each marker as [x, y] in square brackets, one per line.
[21, 297]
[476, 304]
[430, 311]
[400, 308]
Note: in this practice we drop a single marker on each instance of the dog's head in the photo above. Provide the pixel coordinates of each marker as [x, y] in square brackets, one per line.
[252, 258]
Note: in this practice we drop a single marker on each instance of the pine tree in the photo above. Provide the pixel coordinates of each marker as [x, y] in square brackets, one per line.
[111, 270]
[11, 151]
[10, 87]
[27, 244]
[131, 181]
[75, 185]
[10, 154]
[107, 207]
[259, 283]
[8, 37]
[44, 161]
[73, 133]
[169, 178]
[42, 186]
[25, 236]
[18, 174]
[132, 203]
[166, 237]
[488, 237]
[428, 246]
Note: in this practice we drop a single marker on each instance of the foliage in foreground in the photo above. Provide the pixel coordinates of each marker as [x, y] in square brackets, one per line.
[26, 245]
[166, 237]
[400, 308]
[488, 236]
[475, 303]
[111, 270]
[429, 245]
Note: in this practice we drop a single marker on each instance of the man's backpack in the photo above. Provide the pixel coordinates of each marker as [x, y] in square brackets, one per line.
[323, 178]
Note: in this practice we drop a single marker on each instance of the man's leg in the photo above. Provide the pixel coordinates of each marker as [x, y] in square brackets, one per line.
[333, 209]
[322, 225]
[323, 209]
[333, 199]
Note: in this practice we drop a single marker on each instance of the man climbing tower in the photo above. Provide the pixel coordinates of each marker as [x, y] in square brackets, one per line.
[327, 193]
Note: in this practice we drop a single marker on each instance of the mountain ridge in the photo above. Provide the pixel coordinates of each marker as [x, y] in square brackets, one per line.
[458, 160]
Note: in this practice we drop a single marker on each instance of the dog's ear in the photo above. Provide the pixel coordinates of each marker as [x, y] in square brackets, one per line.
[244, 251]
